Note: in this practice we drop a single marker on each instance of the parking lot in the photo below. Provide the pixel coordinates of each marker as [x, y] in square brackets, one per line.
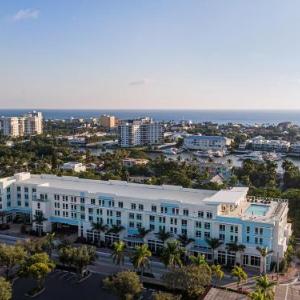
[61, 285]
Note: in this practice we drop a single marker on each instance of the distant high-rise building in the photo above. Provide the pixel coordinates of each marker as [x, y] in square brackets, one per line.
[108, 122]
[140, 132]
[29, 124]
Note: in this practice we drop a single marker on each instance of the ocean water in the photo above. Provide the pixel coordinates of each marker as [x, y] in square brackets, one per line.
[216, 116]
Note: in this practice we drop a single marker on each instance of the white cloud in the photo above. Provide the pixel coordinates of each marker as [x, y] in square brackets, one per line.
[144, 81]
[25, 14]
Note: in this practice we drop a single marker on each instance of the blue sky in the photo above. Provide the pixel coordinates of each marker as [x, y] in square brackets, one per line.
[223, 54]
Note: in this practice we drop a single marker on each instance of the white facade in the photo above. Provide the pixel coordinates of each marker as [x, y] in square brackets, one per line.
[140, 133]
[29, 124]
[202, 142]
[74, 166]
[228, 215]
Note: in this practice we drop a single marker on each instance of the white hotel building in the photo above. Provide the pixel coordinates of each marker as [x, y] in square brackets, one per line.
[228, 215]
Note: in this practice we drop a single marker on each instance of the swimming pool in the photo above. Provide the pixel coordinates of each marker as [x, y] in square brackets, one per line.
[257, 210]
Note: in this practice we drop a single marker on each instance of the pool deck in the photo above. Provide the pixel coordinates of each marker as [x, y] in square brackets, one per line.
[274, 209]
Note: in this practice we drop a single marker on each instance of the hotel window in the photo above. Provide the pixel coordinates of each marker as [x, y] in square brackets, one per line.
[93, 201]
[207, 234]
[184, 222]
[222, 236]
[118, 222]
[236, 239]
[131, 224]
[236, 229]
[82, 199]
[90, 210]
[18, 188]
[255, 261]
[133, 206]
[256, 240]
[200, 214]
[120, 204]
[248, 239]
[183, 231]
[207, 225]
[256, 230]
[26, 196]
[19, 203]
[261, 241]
[198, 224]
[261, 230]
[8, 190]
[152, 227]
[26, 204]
[139, 217]
[118, 214]
[231, 238]
[141, 207]
[131, 215]
[34, 190]
[231, 228]
[82, 208]
[139, 225]
[26, 189]
[248, 229]
[208, 215]
[222, 227]
[198, 233]
[185, 212]
[162, 220]
[152, 218]
[38, 205]
[90, 218]
[153, 208]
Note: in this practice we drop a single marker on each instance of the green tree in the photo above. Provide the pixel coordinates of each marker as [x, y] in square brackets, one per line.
[37, 266]
[83, 256]
[163, 235]
[126, 285]
[217, 272]
[140, 258]
[39, 220]
[172, 253]
[5, 289]
[198, 260]
[257, 295]
[266, 286]
[240, 274]
[214, 244]
[11, 256]
[185, 240]
[190, 281]
[118, 252]
[49, 243]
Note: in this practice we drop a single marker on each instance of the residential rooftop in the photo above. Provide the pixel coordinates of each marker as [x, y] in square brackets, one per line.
[121, 188]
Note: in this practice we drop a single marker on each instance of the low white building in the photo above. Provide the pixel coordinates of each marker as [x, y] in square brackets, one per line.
[203, 142]
[74, 166]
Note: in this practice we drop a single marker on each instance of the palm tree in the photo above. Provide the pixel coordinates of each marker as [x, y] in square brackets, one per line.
[235, 247]
[240, 274]
[163, 235]
[214, 244]
[172, 253]
[49, 243]
[198, 260]
[143, 232]
[115, 229]
[257, 295]
[217, 271]
[140, 258]
[118, 252]
[264, 252]
[185, 240]
[99, 227]
[39, 220]
[266, 286]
